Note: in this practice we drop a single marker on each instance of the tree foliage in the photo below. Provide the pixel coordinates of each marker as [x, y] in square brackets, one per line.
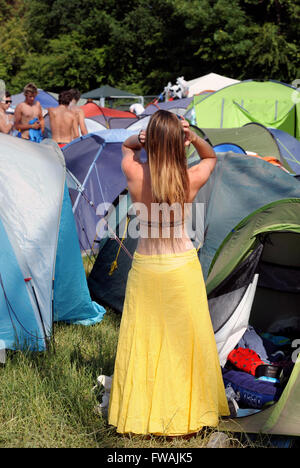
[140, 45]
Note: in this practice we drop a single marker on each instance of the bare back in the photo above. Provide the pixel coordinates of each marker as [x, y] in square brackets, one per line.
[80, 118]
[156, 237]
[63, 124]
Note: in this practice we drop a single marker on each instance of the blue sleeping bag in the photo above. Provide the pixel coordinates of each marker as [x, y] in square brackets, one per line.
[252, 393]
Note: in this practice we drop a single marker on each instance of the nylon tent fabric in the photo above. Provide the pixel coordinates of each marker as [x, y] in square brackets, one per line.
[107, 280]
[254, 138]
[283, 215]
[32, 219]
[32, 193]
[93, 126]
[224, 147]
[289, 148]
[239, 186]
[121, 122]
[19, 321]
[95, 160]
[270, 103]
[178, 106]
[141, 123]
[70, 276]
[210, 82]
[251, 137]
[91, 109]
[276, 228]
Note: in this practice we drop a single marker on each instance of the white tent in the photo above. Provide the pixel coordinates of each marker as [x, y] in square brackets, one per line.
[210, 82]
[42, 278]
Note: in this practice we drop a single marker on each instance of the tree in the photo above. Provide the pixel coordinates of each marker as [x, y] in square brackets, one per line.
[141, 45]
[13, 41]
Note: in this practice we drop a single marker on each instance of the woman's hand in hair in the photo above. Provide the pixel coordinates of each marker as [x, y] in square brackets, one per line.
[188, 134]
[142, 137]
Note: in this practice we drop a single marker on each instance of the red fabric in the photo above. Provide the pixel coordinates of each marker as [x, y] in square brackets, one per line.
[245, 359]
[61, 145]
[91, 110]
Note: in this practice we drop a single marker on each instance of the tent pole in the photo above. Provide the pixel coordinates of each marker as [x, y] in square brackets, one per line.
[41, 318]
[52, 318]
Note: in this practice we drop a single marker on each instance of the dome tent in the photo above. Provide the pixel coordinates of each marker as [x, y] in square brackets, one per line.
[270, 103]
[95, 160]
[42, 275]
[257, 139]
[254, 279]
[107, 116]
[210, 82]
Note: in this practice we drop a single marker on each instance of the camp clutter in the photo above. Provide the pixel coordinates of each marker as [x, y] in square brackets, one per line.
[248, 242]
[248, 246]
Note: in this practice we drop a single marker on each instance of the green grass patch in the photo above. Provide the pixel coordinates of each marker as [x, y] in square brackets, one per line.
[48, 399]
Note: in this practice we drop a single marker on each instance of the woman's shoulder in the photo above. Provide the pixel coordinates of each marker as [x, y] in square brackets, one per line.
[132, 167]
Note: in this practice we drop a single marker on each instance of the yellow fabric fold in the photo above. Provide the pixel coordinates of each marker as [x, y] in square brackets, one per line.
[167, 377]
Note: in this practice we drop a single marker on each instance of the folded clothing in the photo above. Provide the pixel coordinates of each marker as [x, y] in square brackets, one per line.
[251, 393]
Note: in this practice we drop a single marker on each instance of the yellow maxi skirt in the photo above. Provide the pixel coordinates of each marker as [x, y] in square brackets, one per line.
[167, 377]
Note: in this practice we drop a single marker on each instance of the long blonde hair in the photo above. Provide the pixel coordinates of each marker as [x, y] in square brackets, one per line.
[167, 159]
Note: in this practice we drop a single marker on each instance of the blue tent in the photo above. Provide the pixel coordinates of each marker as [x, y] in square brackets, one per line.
[95, 160]
[289, 148]
[178, 106]
[42, 278]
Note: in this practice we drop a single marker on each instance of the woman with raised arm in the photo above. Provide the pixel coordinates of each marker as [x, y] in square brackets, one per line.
[167, 377]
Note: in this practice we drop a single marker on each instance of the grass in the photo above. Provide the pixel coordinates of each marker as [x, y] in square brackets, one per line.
[48, 396]
[48, 401]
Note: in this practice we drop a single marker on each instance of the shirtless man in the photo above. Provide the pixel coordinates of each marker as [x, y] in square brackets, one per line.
[63, 122]
[6, 121]
[78, 111]
[27, 111]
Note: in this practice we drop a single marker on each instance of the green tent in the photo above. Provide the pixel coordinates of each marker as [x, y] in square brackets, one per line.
[257, 269]
[270, 103]
[252, 137]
